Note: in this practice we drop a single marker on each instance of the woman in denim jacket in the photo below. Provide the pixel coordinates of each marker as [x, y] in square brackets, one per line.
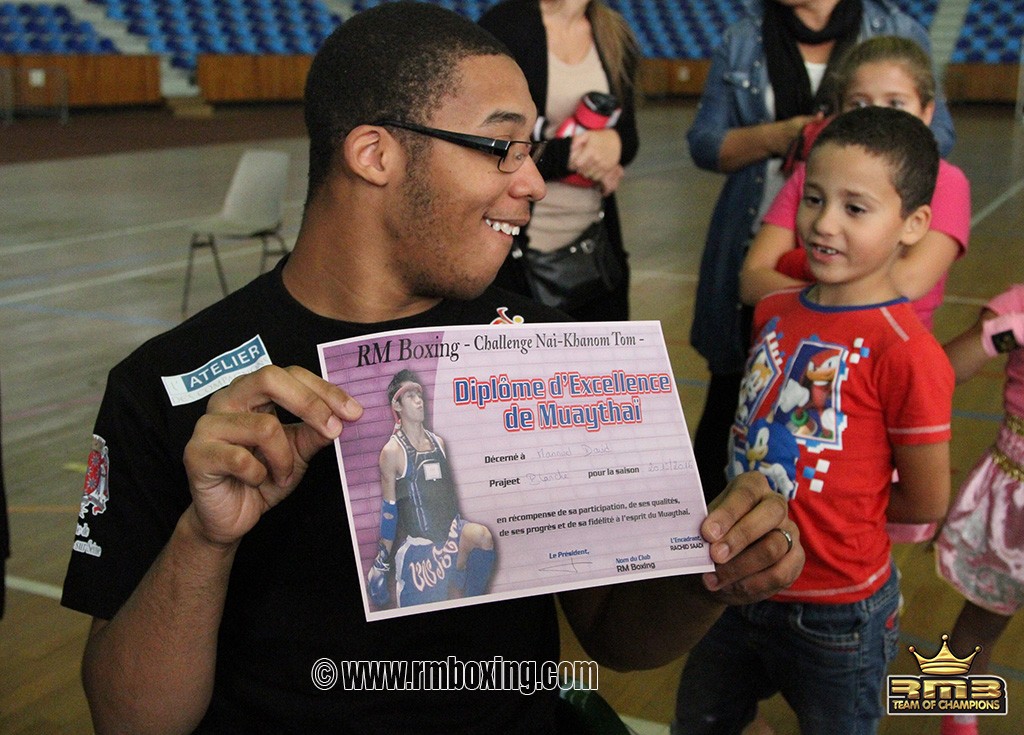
[736, 132]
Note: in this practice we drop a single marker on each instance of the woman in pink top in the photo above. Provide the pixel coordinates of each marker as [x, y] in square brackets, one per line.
[979, 550]
[893, 72]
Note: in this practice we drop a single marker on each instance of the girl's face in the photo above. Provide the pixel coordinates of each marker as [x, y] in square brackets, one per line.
[886, 84]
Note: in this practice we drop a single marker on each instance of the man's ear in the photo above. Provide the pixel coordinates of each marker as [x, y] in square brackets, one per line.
[916, 224]
[371, 154]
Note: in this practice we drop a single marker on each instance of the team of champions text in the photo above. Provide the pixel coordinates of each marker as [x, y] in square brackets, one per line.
[451, 674]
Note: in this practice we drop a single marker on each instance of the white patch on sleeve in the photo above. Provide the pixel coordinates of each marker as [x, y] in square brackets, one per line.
[217, 373]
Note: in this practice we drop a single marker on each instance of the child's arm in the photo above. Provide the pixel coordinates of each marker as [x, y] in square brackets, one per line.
[965, 351]
[922, 265]
[922, 493]
[758, 277]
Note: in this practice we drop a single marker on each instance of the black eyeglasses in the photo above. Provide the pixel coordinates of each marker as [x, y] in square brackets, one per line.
[512, 154]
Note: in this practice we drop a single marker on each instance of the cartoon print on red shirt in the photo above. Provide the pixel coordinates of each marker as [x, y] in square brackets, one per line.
[772, 451]
[804, 392]
[809, 402]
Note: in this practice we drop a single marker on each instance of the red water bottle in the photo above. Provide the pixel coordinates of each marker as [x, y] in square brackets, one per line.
[595, 111]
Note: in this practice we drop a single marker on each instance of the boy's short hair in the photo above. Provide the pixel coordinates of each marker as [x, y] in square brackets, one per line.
[397, 60]
[901, 139]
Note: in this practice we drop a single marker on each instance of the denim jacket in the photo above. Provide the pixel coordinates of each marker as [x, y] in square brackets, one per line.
[734, 96]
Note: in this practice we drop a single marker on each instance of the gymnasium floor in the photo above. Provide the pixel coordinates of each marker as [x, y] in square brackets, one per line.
[92, 257]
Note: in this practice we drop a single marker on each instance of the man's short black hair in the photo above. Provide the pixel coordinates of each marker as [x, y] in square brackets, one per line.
[899, 138]
[397, 60]
[401, 377]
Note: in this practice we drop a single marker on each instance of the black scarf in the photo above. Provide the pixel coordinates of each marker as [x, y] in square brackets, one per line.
[781, 30]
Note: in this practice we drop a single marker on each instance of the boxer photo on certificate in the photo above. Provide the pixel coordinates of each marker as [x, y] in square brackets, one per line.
[441, 555]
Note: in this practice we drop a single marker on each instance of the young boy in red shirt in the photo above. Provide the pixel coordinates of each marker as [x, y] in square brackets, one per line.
[843, 385]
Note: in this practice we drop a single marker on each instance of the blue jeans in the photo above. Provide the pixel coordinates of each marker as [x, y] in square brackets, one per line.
[828, 661]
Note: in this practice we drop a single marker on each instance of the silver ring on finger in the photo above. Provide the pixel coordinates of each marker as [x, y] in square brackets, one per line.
[789, 539]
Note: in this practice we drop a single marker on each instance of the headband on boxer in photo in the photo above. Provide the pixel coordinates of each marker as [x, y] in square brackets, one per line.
[402, 390]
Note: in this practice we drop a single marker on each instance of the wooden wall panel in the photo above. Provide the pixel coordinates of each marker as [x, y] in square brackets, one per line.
[93, 80]
[103, 80]
[244, 78]
[982, 82]
[672, 77]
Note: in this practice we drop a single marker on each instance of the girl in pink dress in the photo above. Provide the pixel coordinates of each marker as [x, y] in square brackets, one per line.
[980, 549]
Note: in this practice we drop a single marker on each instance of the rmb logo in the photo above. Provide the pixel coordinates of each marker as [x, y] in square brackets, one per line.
[945, 687]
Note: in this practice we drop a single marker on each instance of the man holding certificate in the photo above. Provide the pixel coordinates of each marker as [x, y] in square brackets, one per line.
[219, 568]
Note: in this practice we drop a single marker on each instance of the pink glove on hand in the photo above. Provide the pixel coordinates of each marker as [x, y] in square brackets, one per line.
[1004, 333]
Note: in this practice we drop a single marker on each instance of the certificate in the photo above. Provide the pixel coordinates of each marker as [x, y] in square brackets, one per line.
[499, 462]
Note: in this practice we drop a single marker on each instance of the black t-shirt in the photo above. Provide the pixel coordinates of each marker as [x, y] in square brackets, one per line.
[293, 596]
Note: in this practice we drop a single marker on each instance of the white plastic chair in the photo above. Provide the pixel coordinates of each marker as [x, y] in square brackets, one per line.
[252, 209]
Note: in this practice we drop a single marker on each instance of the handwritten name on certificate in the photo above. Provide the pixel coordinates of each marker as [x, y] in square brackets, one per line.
[500, 462]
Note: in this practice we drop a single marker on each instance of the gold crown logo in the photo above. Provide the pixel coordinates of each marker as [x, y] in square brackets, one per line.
[944, 663]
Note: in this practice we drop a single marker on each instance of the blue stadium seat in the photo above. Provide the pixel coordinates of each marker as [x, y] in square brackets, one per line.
[184, 28]
[141, 12]
[184, 61]
[47, 44]
[213, 45]
[183, 44]
[48, 28]
[148, 27]
[301, 45]
[115, 11]
[15, 44]
[991, 33]
[243, 45]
